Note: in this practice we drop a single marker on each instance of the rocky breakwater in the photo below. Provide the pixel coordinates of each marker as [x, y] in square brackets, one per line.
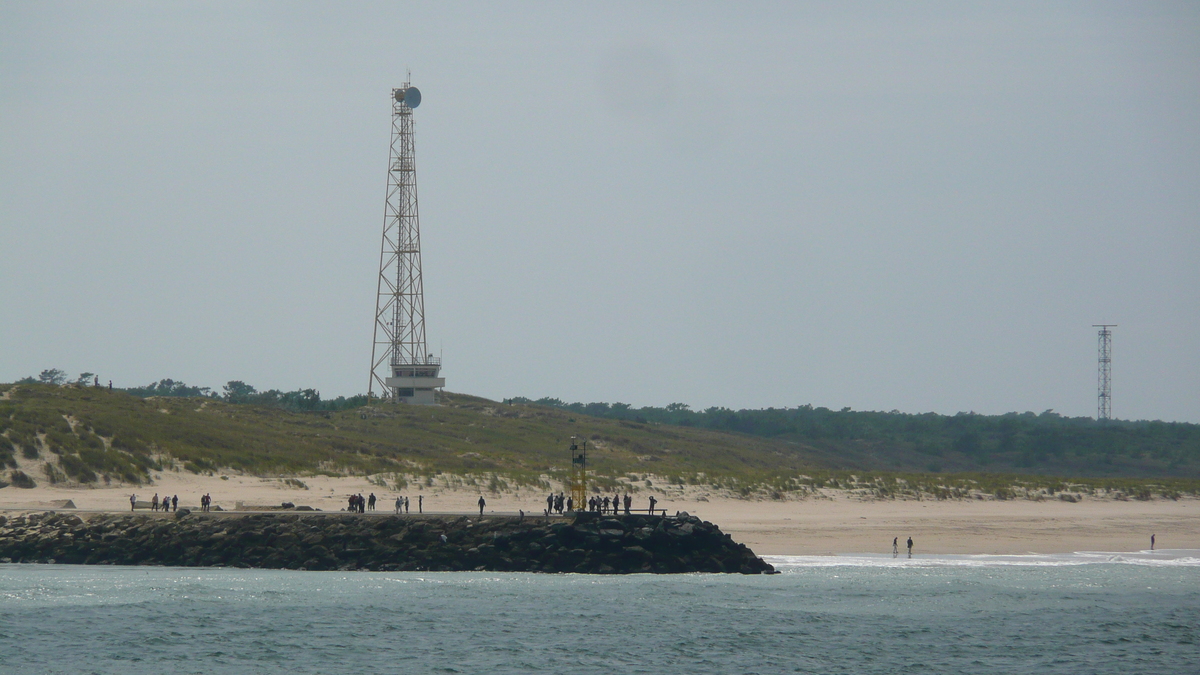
[583, 543]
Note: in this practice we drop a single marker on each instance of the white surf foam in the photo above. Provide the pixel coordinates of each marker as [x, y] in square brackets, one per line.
[1160, 558]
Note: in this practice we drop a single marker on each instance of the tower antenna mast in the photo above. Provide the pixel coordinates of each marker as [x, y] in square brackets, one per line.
[402, 369]
[1104, 371]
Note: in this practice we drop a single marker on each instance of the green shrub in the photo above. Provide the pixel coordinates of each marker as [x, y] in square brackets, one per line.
[198, 465]
[29, 451]
[21, 479]
[7, 453]
[59, 442]
[128, 443]
[53, 473]
[91, 440]
[76, 468]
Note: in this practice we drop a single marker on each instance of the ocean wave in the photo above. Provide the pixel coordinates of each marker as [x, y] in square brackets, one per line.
[1160, 558]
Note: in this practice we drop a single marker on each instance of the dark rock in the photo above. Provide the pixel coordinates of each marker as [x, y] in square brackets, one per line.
[586, 543]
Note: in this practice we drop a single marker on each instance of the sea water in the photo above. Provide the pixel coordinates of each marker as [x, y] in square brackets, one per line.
[1081, 613]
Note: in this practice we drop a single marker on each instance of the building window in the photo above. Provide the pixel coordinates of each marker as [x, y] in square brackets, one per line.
[404, 392]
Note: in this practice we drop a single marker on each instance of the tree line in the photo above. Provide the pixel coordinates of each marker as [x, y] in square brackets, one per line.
[931, 441]
[234, 391]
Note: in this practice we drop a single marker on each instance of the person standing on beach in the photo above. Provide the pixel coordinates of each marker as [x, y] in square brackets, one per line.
[399, 503]
[406, 504]
[420, 503]
[1151, 542]
[481, 504]
[895, 545]
[910, 547]
[132, 502]
[154, 502]
[174, 503]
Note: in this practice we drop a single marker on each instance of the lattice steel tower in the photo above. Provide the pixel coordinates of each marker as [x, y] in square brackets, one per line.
[401, 366]
[1104, 372]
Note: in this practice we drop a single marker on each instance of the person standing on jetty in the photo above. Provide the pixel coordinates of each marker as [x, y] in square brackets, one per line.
[371, 502]
[174, 503]
[132, 502]
[399, 503]
[653, 501]
[154, 502]
[481, 504]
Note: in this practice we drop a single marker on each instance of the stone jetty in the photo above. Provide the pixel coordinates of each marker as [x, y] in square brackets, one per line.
[583, 542]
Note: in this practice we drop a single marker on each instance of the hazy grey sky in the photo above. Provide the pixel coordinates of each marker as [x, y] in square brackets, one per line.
[883, 206]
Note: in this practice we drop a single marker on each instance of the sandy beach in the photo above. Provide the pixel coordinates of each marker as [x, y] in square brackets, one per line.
[832, 523]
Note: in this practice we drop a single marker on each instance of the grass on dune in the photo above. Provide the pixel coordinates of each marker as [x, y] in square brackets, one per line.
[96, 435]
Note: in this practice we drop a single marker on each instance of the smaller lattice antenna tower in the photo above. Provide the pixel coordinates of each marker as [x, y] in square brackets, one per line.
[1104, 371]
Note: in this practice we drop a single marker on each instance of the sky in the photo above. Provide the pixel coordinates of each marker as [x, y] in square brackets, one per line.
[886, 206]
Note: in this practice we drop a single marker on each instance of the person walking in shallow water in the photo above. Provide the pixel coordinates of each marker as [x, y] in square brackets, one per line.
[895, 545]
[1151, 542]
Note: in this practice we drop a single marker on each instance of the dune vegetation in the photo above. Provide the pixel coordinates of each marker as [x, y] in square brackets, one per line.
[84, 434]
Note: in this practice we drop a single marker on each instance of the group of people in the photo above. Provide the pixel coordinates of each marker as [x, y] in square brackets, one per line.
[613, 506]
[402, 504]
[169, 504]
[558, 503]
[896, 546]
[360, 504]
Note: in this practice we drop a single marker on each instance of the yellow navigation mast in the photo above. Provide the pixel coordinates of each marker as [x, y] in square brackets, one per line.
[579, 473]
